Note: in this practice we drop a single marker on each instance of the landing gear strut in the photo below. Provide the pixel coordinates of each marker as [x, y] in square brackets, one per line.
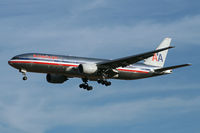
[23, 73]
[85, 85]
[104, 82]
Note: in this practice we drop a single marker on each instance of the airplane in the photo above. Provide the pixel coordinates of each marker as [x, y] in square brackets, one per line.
[60, 68]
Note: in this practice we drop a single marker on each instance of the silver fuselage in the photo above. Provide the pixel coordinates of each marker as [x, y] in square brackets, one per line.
[68, 66]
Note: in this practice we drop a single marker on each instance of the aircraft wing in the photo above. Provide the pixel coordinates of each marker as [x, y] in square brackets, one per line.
[122, 62]
[171, 67]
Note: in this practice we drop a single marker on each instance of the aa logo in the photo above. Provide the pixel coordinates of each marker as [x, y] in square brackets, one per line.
[157, 57]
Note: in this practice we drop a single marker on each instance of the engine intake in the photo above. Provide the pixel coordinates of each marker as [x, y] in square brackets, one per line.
[87, 68]
[56, 78]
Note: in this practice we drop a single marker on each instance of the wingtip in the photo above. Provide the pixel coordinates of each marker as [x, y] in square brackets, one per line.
[168, 38]
[171, 46]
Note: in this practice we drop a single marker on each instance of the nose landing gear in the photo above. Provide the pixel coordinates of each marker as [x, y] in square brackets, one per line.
[23, 73]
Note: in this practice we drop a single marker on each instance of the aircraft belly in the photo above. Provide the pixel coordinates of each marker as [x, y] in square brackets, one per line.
[133, 75]
[22, 66]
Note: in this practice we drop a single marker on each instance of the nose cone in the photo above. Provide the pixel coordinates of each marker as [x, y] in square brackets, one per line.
[12, 61]
[9, 62]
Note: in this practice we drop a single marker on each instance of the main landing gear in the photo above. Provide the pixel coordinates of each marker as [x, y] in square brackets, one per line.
[104, 82]
[85, 85]
[23, 73]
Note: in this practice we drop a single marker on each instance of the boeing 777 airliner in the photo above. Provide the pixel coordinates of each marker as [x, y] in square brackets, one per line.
[60, 68]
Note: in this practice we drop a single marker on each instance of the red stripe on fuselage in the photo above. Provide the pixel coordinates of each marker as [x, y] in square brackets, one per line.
[136, 71]
[45, 63]
[58, 64]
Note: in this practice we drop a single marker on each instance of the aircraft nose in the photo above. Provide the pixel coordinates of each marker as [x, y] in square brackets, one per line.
[10, 62]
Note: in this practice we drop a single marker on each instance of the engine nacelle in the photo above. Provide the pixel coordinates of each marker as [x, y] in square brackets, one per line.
[87, 68]
[56, 78]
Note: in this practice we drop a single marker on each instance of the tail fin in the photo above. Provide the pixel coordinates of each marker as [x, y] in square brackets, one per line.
[159, 58]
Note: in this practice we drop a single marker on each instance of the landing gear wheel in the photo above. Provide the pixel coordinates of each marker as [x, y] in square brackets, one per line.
[108, 83]
[104, 82]
[24, 78]
[85, 85]
[89, 88]
[23, 71]
[99, 81]
[81, 85]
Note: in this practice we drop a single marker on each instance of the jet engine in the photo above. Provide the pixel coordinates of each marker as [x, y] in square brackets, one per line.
[56, 78]
[87, 68]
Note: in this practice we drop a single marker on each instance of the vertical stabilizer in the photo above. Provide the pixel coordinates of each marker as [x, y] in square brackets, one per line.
[159, 58]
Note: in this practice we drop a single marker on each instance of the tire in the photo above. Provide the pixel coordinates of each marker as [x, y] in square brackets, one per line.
[81, 85]
[89, 88]
[108, 83]
[24, 78]
[99, 81]
[84, 86]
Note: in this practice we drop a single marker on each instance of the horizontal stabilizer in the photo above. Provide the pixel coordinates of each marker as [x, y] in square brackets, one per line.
[171, 67]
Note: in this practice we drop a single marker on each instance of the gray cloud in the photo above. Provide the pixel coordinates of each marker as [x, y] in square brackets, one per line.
[34, 111]
[146, 35]
[46, 32]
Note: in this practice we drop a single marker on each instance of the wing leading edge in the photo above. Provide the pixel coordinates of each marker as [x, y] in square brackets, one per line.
[123, 62]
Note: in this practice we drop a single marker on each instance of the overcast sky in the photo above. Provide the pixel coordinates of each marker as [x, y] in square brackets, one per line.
[103, 29]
